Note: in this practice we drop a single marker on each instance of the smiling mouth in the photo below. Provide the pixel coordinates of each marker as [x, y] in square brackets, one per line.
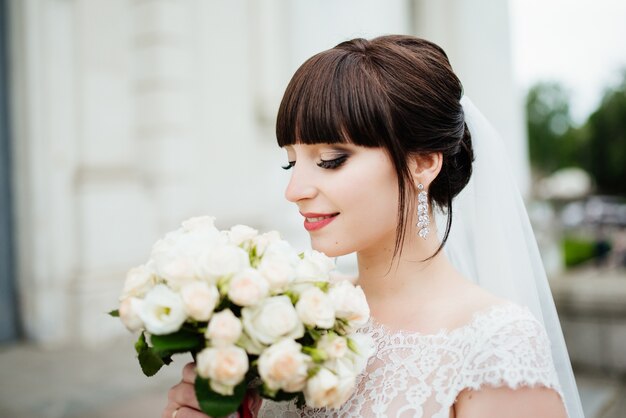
[320, 218]
[317, 222]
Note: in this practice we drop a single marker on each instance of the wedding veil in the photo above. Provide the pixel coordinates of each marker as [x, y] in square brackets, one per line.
[491, 241]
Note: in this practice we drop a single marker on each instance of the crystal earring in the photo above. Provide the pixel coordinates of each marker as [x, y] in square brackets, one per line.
[423, 220]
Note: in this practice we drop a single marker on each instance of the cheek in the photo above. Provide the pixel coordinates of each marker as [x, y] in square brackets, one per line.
[368, 200]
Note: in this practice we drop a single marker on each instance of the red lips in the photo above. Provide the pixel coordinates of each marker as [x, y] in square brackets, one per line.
[313, 226]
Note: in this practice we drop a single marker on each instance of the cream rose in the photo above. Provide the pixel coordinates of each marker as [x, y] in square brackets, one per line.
[315, 266]
[129, 313]
[162, 311]
[263, 241]
[248, 288]
[225, 367]
[179, 257]
[365, 348]
[284, 366]
[224, 329]
[139, 280]
[316, 309]
[239, 234]
[200, 299]
[279, 264]
[350, 303]
[225, 260]
[333, 345]
[271, 320]
[328, 389]
[199, 222]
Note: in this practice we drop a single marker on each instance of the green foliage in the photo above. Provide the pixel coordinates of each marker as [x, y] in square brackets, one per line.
[577, 250]
[215, 404]
[605, 131]
[115, 313]
[149, 360]
[181, 341]
[598, 147]
[553, 143]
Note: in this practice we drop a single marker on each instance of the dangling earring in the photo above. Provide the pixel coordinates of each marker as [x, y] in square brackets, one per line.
[423, 220]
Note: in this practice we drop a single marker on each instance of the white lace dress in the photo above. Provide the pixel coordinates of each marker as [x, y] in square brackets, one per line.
[420, 375]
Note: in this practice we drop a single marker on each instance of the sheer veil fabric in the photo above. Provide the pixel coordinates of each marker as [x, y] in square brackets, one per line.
[491, 241]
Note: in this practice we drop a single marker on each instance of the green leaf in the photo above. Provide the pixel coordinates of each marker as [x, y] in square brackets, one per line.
[352, 345]
[150, 362]
[178, 342]
[215, 404]
[318, 356]
[141, 343]
[323, 286]
[115, 313]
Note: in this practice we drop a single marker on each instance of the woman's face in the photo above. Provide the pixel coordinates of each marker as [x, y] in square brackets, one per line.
[347, 194]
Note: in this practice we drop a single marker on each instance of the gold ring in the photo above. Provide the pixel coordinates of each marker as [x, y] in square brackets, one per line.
[175, 412]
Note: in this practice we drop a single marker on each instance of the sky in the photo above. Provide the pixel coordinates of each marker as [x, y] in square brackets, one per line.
[580, 43]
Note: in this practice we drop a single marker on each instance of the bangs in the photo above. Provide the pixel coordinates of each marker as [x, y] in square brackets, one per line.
[335, 97]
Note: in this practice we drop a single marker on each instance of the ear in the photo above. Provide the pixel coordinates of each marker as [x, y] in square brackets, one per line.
[425, 167]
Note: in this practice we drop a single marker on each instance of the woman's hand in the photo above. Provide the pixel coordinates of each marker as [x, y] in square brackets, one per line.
[182, 401]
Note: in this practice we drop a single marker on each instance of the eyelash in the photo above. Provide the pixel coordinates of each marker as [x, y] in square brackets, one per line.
[328, 164]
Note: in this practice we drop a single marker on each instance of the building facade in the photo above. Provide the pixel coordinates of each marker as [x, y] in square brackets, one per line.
[128, 116]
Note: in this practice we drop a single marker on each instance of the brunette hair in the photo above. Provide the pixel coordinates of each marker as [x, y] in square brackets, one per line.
[396, 92]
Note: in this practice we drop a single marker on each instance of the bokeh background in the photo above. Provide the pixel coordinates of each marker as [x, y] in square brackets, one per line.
[121, 118]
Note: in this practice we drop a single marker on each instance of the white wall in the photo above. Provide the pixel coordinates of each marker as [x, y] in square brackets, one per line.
[131, 115]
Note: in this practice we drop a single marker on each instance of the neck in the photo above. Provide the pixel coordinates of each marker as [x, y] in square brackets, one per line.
[384, 278]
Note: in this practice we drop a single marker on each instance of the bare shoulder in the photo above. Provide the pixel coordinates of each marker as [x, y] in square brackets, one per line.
[504, 402]
[470, 299]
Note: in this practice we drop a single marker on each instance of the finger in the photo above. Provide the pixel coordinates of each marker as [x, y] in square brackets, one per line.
[185, 412]
[184, 394]
[189, 373]
[169, 409]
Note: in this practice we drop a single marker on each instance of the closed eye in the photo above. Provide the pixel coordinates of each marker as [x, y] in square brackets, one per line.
[334, 163]
[289, 165]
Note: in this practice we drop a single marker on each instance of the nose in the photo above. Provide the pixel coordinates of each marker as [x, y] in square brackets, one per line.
[300, 186]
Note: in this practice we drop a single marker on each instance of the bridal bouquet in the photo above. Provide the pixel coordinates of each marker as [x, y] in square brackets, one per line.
[252, 311]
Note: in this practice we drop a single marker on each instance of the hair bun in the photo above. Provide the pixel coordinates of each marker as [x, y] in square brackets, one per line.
[461, 167]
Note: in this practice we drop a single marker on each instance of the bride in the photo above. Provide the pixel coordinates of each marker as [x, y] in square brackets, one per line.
[379, 140]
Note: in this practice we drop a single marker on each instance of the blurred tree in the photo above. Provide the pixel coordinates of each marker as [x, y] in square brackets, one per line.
[553, 140]
[605, 133]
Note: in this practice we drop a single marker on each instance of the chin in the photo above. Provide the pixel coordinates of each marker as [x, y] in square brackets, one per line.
[331, 250]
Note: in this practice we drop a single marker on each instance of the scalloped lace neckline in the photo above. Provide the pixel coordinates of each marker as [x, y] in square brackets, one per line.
[373, 324]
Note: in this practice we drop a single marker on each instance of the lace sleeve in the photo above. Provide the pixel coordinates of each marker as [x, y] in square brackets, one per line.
[513, 351]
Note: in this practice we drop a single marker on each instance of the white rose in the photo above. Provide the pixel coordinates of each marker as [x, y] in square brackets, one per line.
[350, 303]
[315, 266]
[199, 222]
[139, 281]
[284, 366]
[333, 345]
[224, 329]
[279, 264]
[129, 313]
[365, 348]
[225, 260]
[200, 299]
[263, 241]
[315, 308]
[242, 233]
[162, 311]
[225, 367]
[271, 320]
[179, 257]
[248, 288]
[328, 389]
